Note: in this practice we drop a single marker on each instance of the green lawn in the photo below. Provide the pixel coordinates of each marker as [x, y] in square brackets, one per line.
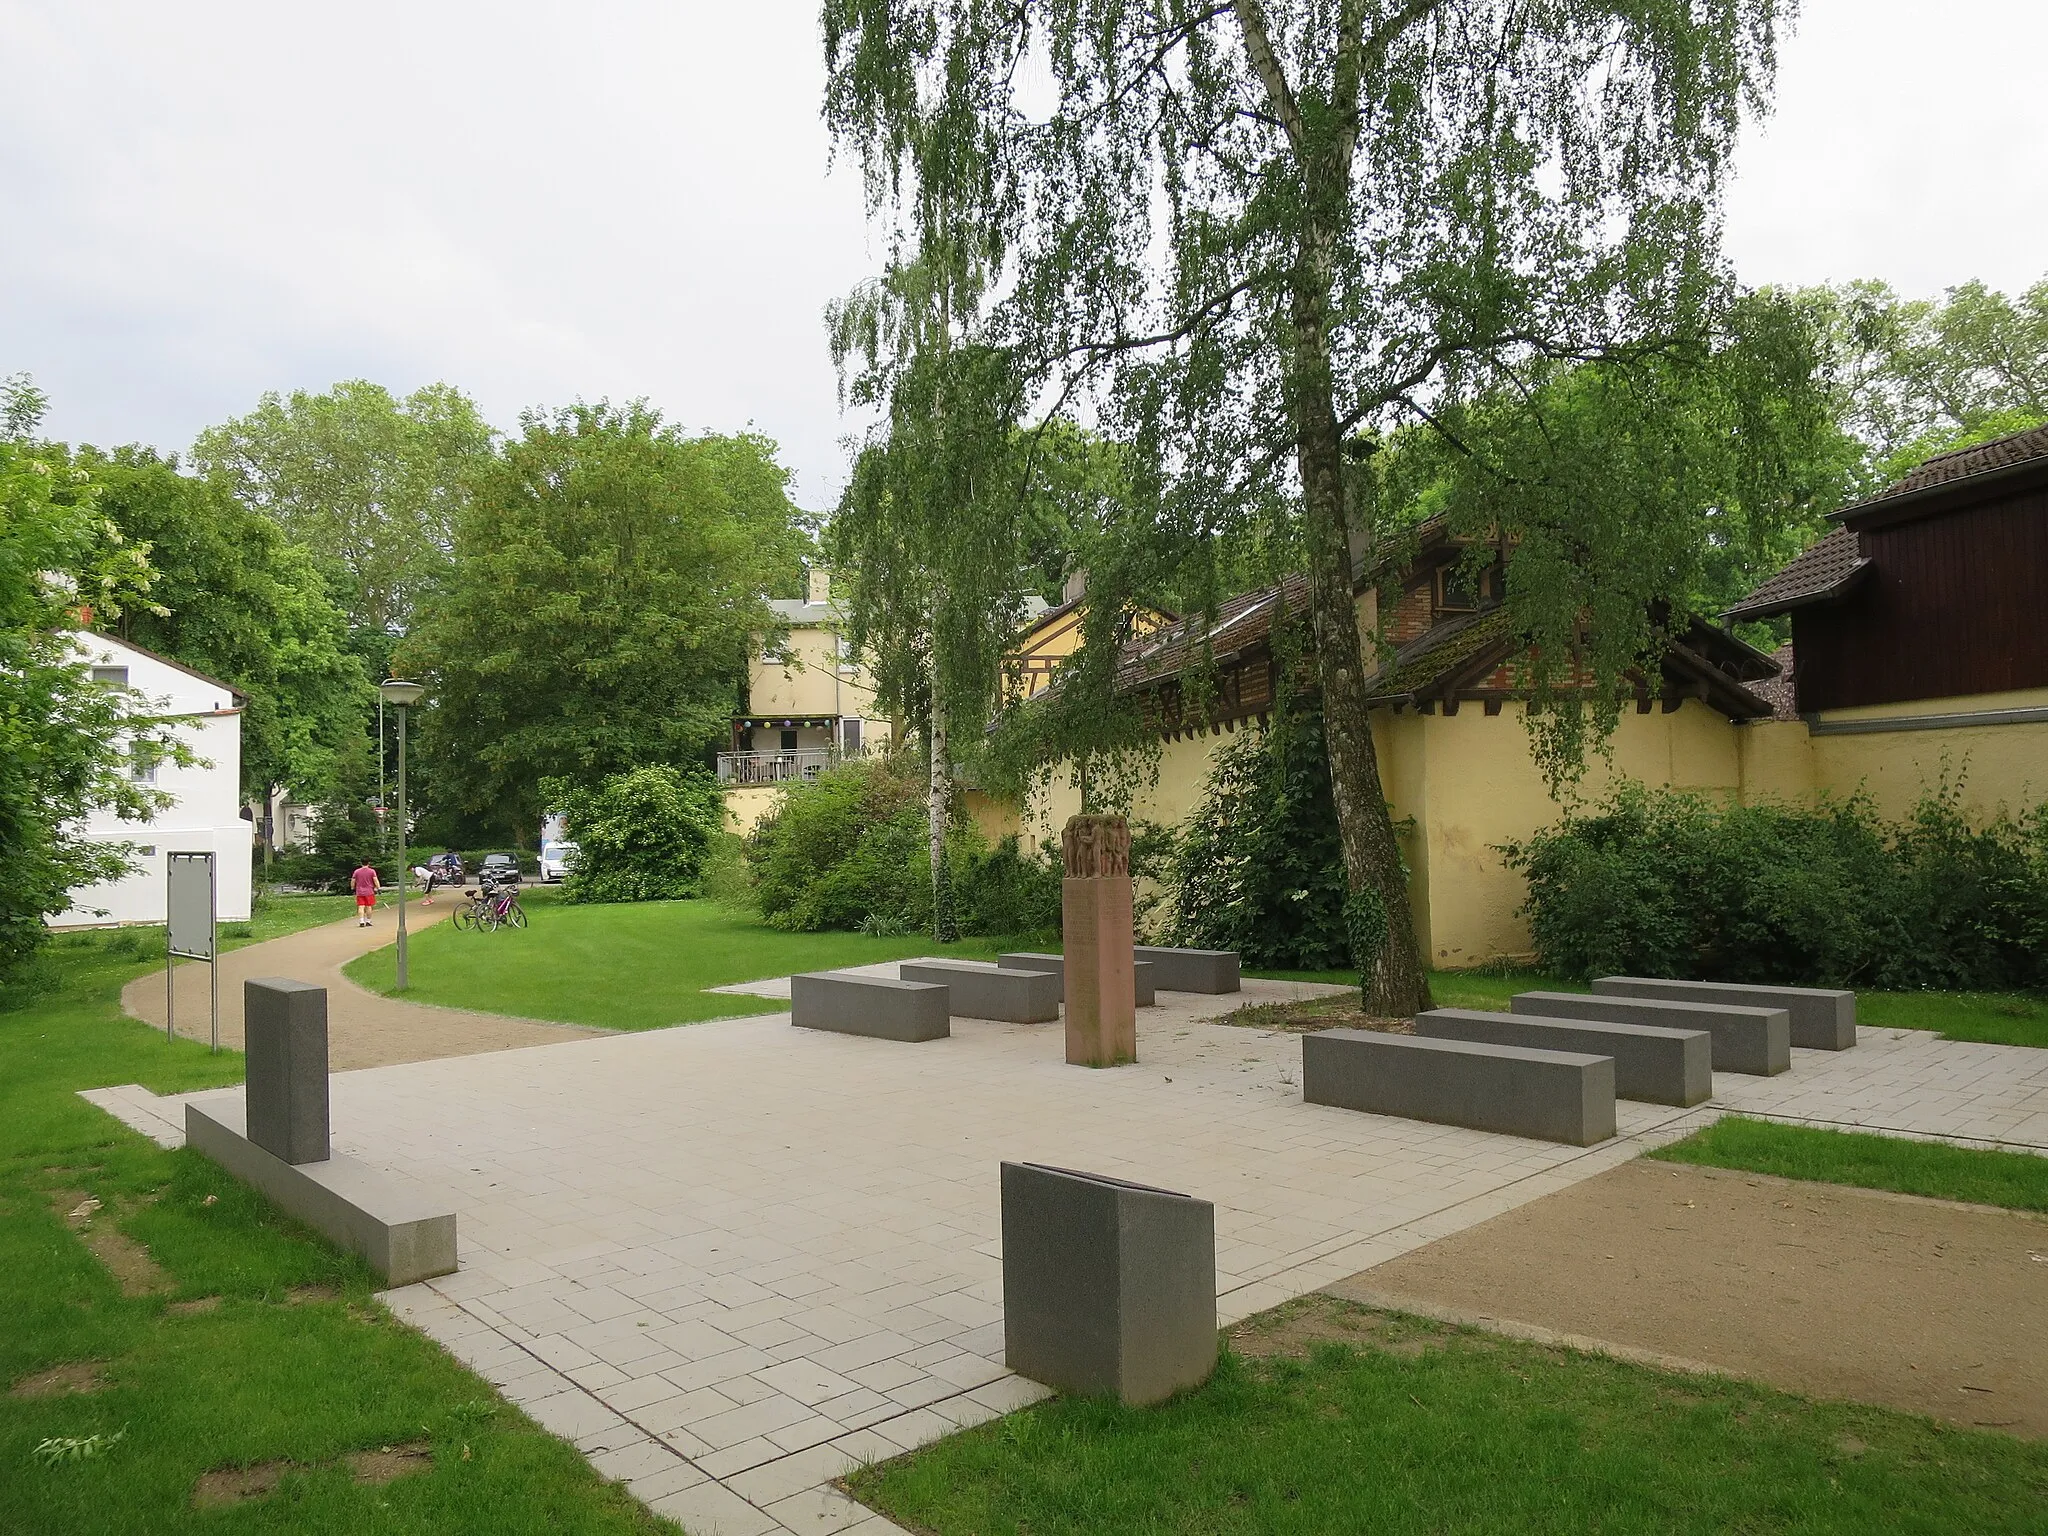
[1396, 1425]
[641, 966]
[1998, 1018]
[1931, 1168]
[295, 1363]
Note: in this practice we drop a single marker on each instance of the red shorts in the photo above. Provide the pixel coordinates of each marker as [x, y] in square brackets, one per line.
[365, 903]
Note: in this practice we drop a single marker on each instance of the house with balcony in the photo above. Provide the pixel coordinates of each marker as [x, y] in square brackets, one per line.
[809, 703]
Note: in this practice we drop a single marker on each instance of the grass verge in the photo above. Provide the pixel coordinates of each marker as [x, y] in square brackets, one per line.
[1328, 1417]
[163, 1316]
[2018, 1180]
[639, 966]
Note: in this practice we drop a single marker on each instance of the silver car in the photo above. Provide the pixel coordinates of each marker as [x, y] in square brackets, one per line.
[556, 860]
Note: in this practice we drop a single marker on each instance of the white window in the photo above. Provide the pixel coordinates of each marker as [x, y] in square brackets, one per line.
[847, 660]
[849, 738]
[113, 677]
[142, 773]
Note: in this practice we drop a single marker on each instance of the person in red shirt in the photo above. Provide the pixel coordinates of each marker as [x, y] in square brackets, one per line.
[365, 879]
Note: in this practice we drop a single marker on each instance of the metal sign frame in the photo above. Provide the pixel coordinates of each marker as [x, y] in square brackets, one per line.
[191, 933]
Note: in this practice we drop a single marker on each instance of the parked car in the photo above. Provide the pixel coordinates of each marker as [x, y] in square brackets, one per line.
[556, 860]
[499, 869]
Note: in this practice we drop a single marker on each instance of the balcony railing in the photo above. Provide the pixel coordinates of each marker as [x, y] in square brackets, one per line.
[774, 767]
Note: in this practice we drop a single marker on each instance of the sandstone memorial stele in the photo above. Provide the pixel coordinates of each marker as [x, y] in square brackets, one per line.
[1095, 921]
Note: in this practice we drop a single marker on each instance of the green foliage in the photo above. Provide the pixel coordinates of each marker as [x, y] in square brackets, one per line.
[1665, 883]
[1002, 891]
[844, 846]
[642, 835]
[233, 597]
[608, 572]
[66, 743]
[370, 484]
[1918, 377]
[1259, 868]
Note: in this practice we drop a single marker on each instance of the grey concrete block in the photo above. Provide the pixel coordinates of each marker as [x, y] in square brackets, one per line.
[1107, 1286]
[285, 1032]
[1658, 1066]
[1757, 1041]
[980, 990]
[1563, 1096]
[1191, 970]
[847, 1004]
[1823, 1018]
[1030, 960]
[401, 1230]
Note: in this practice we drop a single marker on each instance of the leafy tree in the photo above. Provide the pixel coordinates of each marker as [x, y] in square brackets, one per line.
[608, 571]
[845, 850]
[66, 742]
[235, 598]
[372, 485]
[1922, 376]
[641, 835]
[1245, 231]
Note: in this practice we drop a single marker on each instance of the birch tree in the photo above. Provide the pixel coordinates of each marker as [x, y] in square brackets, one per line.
[1246, 233]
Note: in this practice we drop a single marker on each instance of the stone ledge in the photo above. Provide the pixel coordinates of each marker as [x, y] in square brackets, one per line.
[400, 1231]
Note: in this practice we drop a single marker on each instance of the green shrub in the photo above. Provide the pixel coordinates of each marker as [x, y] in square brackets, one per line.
[846, 846]
[1259, 867]
[1665, 883]
[1001, 891]
[642, 835]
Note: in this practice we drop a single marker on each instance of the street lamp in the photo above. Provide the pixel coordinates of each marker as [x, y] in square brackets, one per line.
[401, 696]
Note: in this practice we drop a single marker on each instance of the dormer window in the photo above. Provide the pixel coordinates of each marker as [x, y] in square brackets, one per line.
[1460, 590]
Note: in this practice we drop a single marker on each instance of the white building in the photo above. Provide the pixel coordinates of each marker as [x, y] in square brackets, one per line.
[205, 810]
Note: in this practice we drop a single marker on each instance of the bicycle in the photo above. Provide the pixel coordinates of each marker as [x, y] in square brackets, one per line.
[490, 908]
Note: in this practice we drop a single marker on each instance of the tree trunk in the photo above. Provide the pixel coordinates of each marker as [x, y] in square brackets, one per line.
[1396, 985]
[944, 929]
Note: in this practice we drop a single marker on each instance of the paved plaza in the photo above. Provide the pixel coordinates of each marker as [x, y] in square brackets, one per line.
[732, 1261]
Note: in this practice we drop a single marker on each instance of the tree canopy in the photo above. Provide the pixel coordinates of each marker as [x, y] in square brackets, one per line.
[235, 598]
[371, 484]
[66, 742]
[607, 573]
[1242, 232]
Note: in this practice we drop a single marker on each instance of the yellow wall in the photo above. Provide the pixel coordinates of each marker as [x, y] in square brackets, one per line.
[811, 682]
[746, 805]
[1999, 765]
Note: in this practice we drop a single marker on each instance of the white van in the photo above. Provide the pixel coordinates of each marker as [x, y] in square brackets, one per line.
[555, 861]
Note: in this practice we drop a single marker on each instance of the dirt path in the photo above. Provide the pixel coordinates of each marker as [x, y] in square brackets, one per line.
[1833, 1292]
[363, 1029]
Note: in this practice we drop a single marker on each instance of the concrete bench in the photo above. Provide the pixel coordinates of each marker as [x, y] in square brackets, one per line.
[1757, 1041]
[1191, 970]
[397, 1228]
[1658, 1066]
[850, 1004]
[1823, 1019]
[1548, 1095]
[984, 991]
[1026, 960]
[1108, 1286]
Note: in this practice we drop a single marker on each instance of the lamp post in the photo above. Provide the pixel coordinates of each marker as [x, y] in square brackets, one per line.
[401, 696]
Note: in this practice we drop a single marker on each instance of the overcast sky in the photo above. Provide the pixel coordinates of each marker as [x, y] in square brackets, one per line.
[201, 201]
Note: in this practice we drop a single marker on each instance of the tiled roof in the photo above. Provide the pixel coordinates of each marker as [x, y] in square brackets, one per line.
[1437, 652]
[1962, 463]
[1777, 691]
[1825, 569]
[1238, 622]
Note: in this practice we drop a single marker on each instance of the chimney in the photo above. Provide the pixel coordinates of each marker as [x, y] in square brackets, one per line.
[1076, 587]
[820, 584]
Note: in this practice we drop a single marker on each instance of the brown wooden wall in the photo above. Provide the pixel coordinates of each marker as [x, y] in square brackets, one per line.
[1956, 603]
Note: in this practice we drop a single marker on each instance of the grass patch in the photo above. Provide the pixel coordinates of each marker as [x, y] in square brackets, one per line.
[642, 965]
[259, 1344]
[1360, 1421]
[2018, 1180]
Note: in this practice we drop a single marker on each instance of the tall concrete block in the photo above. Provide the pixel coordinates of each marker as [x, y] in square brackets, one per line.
[1032, 960]
[1757, 1041]
[1108, 1286]
[1563, 1096]
[284, 1027]
[1657, 1066]
[1823, 1018]
[842, 1003]
[1192, 970]
[1095, 924]
[979, 990]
